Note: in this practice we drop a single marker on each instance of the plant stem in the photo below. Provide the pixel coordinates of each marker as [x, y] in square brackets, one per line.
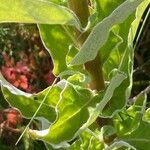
[80, 8]
[94, 67]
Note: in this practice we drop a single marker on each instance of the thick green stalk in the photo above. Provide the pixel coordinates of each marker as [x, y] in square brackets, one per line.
[94, 67]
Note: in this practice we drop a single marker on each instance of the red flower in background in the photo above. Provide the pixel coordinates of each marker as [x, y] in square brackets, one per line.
[25, 63]
[15, 77]
[13, 117]
[9, 73]
[21, 82]
[26, 75]
[15, 74]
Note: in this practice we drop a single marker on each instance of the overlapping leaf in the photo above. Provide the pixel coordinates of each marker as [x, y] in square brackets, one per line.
[57, 42]
[100, 33]
[28, 103]
[135, 24]
[72, 112]
[133, 130]
[88, 141]
[102, 7]
[122, 58]
[115, 82]
[139, 138]
[124, 64]
[36, 11]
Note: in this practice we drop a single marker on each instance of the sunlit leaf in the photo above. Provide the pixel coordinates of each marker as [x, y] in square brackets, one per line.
[29, 103]
[88, 141]
[134, 27]
[134, 131]
[35, 11]
[115, 82]
[72, 113]
[57, 42]
[139, 138]
[105, 7]
[100, 33]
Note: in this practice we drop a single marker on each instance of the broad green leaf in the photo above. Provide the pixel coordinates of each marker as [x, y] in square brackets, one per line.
[28, 106]
[88, 140]
[133, 129]
[117, 51]
[105, 7]
[122, 92]
[72, 112]
[57, 42]
[137, 111]
[100, 33]
[131, 118]
[28, 103]
[115, 82]
[139, 105]
[106, 51]
[139, 138]
[36, 11]
[126, 33]
[124, 62]
[135, 24]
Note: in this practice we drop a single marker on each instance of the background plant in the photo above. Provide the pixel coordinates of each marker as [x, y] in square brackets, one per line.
[100, 38]
[18, 65]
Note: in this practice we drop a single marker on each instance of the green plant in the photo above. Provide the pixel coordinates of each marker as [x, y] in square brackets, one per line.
[90, 42]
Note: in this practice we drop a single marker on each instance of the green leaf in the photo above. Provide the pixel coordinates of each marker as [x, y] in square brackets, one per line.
[140, 11]
[137, 111]
[115, 82]
[106, 51]
[105, 7]
[113, 50]
[114, 58]
[133, 130]
[131, 118]
[57, 43]
[138, 106]
[122, 92]
[147, 115]
[123, 60]
[100, 33]
[72, 112]
[139, 138]
[78, 79]
[36, 11]
[28, 106]
[88, 140]
[28, 103]
[120, 145]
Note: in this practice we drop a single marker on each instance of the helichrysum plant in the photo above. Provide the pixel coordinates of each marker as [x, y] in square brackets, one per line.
[91, 44]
